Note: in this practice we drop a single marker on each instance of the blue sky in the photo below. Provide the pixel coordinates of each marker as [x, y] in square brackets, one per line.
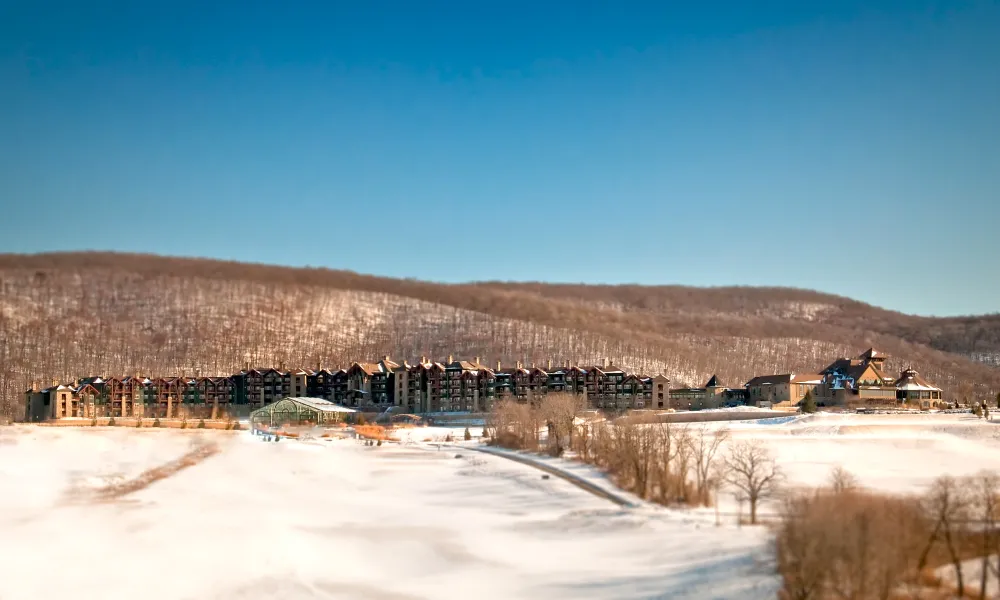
[850, 147]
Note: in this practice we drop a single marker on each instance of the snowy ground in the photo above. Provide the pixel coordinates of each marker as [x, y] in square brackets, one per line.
[893, 453]
[336, 519]
[896, 453]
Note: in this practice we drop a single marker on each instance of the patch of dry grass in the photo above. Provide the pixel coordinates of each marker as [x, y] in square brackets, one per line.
[119, 490]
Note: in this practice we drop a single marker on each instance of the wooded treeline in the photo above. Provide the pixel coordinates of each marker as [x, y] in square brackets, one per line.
[65, 315]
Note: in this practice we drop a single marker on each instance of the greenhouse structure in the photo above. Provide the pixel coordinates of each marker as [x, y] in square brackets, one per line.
[298, 411]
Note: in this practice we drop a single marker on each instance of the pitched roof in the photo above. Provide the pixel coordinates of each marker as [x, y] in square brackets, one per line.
[713, 382]
[369, 368]
[871, 353]
[852, 368]
[463, 365]
[911, 380]
[770, 379]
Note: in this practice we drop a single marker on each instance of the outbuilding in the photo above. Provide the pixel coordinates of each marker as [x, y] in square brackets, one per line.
[298, 411]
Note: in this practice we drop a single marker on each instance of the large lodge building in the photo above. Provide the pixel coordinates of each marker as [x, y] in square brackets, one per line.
[468, 386]
[423, 387]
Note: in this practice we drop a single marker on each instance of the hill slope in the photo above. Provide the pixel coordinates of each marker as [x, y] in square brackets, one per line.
[62, 315]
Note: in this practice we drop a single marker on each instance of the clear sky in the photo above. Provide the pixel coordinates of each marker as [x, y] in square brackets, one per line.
[851, 147]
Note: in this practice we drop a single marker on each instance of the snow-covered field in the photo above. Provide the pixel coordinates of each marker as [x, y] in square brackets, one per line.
[337, 519]
[895, 453]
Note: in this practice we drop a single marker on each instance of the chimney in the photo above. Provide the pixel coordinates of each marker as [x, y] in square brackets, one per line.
[386, 358]
[606, 362]
[550, 365]
[423, 360]
[499, 366]
[451, 359]
[246, 366]
[477, 361]
[519, 364]
[55, 382]
[318, 366]
[34, 386]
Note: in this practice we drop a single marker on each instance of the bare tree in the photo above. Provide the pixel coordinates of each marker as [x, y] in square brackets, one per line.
[558, 410]
[751, 470]
[99, 314]
[946, 505]
[854, 544]
[705, 444]
[984, 504]
[842, 480]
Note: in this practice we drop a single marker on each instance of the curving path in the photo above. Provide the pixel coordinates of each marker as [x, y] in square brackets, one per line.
[570, 477]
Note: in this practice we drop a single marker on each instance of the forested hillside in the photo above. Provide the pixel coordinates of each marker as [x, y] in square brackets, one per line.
[64, 315]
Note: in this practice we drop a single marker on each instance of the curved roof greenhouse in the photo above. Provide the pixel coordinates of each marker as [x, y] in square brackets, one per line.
[299, 411]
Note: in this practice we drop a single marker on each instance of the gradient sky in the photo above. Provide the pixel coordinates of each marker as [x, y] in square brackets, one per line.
[851, 147]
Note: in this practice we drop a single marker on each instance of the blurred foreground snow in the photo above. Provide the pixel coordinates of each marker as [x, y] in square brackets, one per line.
[335, 519]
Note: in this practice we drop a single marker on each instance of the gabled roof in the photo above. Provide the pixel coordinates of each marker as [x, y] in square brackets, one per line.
[53, 388]
[368, 368]
[514, 370]
[714, 382]
[83, 387]
[872, 353]
[852, 368]
[463, 365]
